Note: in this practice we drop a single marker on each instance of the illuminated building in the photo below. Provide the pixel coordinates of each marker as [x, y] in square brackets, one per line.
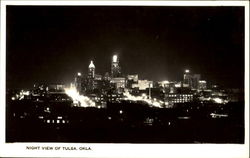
[172, 88]
[131, 79]
[191, 80]
[98, 77]
[202, 85]
[144, 84]
[164, 84]
[114, 97]
[134, 78]
[55, 87]
[107, 77]
[119, 82]
[178, 97]
[78, 82]
[91, 77]
[115, 67]
[187, 78]
[91, 72]
[195, 81]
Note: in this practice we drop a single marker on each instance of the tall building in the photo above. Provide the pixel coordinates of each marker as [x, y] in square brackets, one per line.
[191, 80]
[91, 72]
[115, 67]
[187, 78]
[195, 81]
[78, 82]
[91, 77]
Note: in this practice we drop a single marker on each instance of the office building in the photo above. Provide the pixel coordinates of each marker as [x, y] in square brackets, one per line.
[115, 67]
[91, 72]
[119, 82]
[191, 80]
[144, 84]
[202, 85]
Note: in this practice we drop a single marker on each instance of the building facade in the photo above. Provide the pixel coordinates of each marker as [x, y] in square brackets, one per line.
[115, 67]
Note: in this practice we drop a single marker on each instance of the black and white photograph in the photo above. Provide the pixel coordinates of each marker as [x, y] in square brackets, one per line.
[125, 74]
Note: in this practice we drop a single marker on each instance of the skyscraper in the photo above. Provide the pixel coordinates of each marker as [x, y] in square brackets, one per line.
[191, 80]
[91, 72]
[115, 67]
[187, 78]
[78, 82]
[91, 77]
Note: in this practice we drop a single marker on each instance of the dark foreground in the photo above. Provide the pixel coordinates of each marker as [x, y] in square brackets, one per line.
[129, 123]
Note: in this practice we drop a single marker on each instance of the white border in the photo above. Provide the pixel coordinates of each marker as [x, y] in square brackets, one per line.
[126, 150]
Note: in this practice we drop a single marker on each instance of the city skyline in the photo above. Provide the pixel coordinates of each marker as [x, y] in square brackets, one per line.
[54, 43]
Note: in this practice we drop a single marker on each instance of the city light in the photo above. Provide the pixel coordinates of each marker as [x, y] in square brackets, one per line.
[165, 82]
[114, 58]
[187, 71]
[218, 100]
[91, 65]
[79, 74]
[152, 102]
[83, 100]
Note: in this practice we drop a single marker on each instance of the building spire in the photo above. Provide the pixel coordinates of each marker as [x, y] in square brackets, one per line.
[91, 65]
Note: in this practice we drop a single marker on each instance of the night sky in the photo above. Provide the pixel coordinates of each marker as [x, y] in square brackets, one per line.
[50, 44]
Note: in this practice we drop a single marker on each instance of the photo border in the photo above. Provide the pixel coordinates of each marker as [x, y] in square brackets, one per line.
[119, 149]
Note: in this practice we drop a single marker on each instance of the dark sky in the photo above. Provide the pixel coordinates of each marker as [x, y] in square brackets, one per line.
[52, 43]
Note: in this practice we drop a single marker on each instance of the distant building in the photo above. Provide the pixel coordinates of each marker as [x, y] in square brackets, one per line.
[78, 82]
[195, 81]
[134, 78]
[119, 82]
[91, 76]
[179, 97]
[91, 72]
[106, 77]
[115, 67]
[144, 84]
[56, 88]
[163, 84]
[202, 85]
[172, 88]
[98, 77]
[114, 97]
[186, 78]
[191, 80]
[131, 79]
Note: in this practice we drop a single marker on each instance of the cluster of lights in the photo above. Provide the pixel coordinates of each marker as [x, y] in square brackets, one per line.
[215, 100]
[153, 102]
[77, 98]
[220, 100]
[21, 95]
